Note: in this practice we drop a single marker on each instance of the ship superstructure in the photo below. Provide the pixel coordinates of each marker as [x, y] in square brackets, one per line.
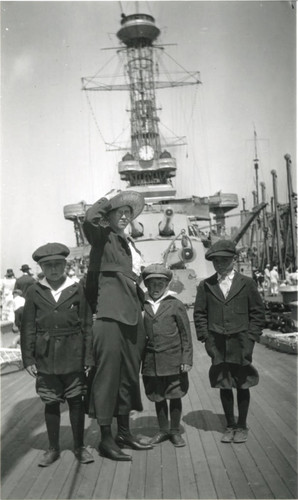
[168, 228]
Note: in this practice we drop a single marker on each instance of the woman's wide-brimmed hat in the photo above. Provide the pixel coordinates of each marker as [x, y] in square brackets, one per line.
[133, 199]
[9, 273]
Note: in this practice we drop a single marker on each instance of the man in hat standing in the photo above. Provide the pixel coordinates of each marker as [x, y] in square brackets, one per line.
[24, 281]
[229, 317]
[267, 278]
[56, 347]
[118, 331]
[274, 280]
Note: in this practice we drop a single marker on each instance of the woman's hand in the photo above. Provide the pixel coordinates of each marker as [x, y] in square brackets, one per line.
[87, 370]
[32, 370]
[185, 368]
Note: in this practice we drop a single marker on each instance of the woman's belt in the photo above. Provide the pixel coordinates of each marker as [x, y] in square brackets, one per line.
[118, 268]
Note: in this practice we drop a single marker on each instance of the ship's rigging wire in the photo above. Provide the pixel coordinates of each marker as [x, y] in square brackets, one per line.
[120, 4]
[189, 73]
[187, 120]
[203, 127]
[94, 118]
[264, 162]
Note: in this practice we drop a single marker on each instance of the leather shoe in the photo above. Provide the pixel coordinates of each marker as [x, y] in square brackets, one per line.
[49, 457]
[159, 438]
[113, 454]
[177, 440]
[132, 442]
[240, 435]
[228, 435]
[83, 455]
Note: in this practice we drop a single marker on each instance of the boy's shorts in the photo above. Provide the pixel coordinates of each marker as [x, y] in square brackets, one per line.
[57, 388]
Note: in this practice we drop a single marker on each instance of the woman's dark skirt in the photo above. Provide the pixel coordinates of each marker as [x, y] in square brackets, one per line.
[232, 375]
[167, 387]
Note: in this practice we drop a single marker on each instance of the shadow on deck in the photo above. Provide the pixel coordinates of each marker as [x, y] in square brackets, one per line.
[263, 467]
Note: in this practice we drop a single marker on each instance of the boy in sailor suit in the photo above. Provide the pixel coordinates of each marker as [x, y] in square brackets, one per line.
[168, 352]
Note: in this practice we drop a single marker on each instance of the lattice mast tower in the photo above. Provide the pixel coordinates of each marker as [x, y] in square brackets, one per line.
[147, 164]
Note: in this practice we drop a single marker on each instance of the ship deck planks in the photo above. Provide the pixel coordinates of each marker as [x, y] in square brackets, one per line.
[263, 467]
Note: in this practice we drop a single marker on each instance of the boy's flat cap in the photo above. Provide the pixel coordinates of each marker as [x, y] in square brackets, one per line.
[157, 271]
[50, 251]
[221, 248]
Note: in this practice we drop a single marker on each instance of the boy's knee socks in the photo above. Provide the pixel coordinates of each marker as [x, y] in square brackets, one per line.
[123, 425]
[243, 399]
[77, 420]
[175, 414]
[52, 419]
[162, 414]
[227, 401]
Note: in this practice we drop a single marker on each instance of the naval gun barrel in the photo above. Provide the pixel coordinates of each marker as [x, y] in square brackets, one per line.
[166, 226]
[136, 229]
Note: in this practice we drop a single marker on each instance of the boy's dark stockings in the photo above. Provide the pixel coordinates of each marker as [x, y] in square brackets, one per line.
[175, 414]
[227, 400]
[123, 425]
[161, 408]
[77, 420]
[52, 418]
[243, 399]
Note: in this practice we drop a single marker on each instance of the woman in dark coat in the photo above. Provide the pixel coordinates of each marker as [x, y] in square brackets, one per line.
[118, 332]
[229, 317]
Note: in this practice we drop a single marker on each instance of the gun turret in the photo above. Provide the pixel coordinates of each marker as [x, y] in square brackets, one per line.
[166, 226]
[137, 229]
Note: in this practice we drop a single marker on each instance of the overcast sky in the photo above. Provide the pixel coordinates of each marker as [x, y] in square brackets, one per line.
[53, 139]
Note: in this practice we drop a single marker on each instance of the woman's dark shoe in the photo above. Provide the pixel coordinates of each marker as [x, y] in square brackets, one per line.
[177, 440]
[132, 442]
[113, 454]
[159, 438]
[49, 457]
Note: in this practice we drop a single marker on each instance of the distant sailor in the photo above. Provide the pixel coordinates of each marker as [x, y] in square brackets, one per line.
[56, 347]
[7, 287]
[274, 280]
[24, 281]
[229, 317]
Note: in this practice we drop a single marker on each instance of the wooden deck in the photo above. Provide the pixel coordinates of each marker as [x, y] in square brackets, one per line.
[264, 467]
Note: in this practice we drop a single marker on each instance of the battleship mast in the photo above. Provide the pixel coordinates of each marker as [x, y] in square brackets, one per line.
[145, 165]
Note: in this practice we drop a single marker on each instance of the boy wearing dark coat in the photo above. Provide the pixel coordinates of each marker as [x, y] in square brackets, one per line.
[168, 352]
[56, 347]
[229, 317]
